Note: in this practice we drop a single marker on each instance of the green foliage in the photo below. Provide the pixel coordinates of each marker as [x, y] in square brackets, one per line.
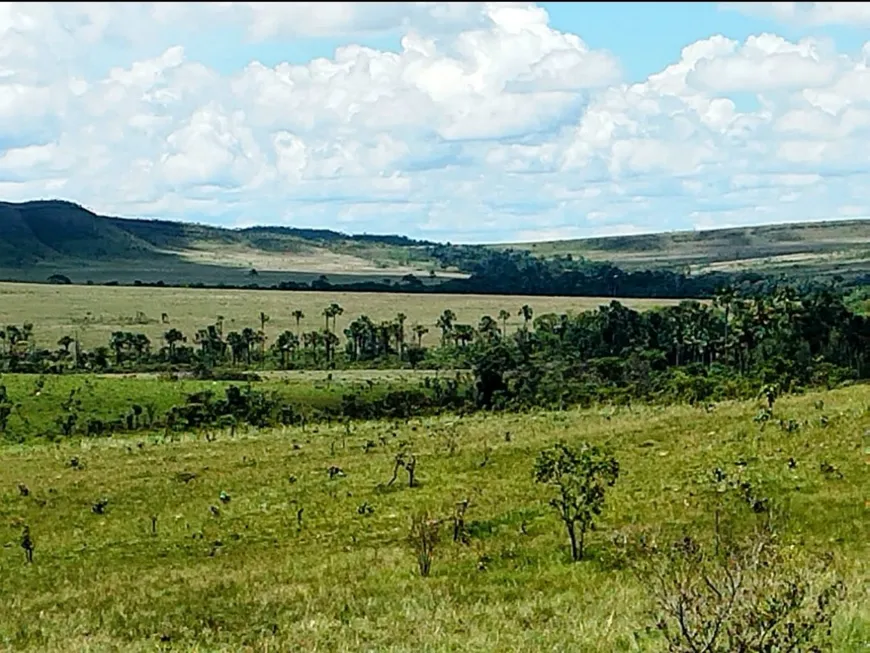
[580, 477]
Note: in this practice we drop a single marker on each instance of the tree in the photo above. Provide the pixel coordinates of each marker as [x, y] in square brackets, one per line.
[504, 316]
[172, 338]
[298, 316]
[420, 331]
[580, 477]
[284, 343]
[725, 298]
[263, 320]
[238, 346]
[335, 311]
[64, 343]
[445, 323]
[400, 333]
[526, 312]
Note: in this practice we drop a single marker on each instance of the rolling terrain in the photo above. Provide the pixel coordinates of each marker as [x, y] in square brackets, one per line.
[44, 238]
[205, 540]
[52, 237]
[836, 247]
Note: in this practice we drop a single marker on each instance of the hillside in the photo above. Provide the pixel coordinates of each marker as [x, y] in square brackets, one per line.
[837, 247]
[43, 238]
[38, 239]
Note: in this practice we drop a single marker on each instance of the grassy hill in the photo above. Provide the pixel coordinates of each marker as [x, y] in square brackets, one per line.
[42, 238]
[38, 239]
[840, 247]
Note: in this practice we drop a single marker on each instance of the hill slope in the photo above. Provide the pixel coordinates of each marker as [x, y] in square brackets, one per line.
[41, 238]
[836, 247]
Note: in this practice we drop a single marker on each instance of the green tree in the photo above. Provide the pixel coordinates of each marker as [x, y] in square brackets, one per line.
[580, 477]
[526, 312]
[298, 316]
[420, 331]
[172, 338]
[504, 316]
[285, 343]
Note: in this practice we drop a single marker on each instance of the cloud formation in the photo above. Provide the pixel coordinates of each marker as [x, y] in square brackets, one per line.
[485, 124]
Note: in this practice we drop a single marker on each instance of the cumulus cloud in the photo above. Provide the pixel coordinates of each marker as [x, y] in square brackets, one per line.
[486, 123]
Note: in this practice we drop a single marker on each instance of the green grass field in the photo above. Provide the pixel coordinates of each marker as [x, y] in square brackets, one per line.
[111, 396]
[94, 312]
[344, 579]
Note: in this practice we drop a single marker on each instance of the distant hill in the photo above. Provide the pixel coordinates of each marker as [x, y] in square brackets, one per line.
[53, 237]
[829, 248]
[41, 238]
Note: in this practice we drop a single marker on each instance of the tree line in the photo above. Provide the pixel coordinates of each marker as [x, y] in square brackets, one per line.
[518, 272]
[788, 336]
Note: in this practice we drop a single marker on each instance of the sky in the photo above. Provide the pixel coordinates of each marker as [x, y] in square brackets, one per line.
[462, 122]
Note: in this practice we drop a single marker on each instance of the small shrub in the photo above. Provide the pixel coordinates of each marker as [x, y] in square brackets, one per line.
[580, 477]
[423, 538]
[749, 596]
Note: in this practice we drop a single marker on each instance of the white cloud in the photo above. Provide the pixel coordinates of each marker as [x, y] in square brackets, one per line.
[486, 122]
[855, 14]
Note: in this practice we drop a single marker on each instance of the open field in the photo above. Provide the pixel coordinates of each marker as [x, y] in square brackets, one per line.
[342, 577]
[94, 312]
[799, 249]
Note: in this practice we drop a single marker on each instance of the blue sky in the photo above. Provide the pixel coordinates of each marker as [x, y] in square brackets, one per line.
[467, 122]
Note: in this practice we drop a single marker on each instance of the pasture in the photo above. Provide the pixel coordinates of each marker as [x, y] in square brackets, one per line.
[94, 312]
[294, 559]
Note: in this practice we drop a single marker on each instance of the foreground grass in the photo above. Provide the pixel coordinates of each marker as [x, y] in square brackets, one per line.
[255, 578]
[94, 312]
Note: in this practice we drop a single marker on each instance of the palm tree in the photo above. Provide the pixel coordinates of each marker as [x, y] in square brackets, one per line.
[526, 312]
[488, 328]
[725, 298]
[262, 338]
[172, 337]
[400, 332]
[298, 316]
[336, 310]
[237, 344]
[286, 342]
[504, 316]
[445, 323]
[420, 331]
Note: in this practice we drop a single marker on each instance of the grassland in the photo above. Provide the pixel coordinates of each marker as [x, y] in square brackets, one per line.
[343, 579]
[39, 400]
[836, 247]
[94, 312]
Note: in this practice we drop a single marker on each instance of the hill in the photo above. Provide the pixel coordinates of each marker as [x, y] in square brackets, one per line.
[837, 247]
[41, 238]
[53, 237]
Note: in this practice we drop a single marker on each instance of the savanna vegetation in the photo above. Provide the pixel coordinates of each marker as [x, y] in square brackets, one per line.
[703, 529]
[685, 476]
